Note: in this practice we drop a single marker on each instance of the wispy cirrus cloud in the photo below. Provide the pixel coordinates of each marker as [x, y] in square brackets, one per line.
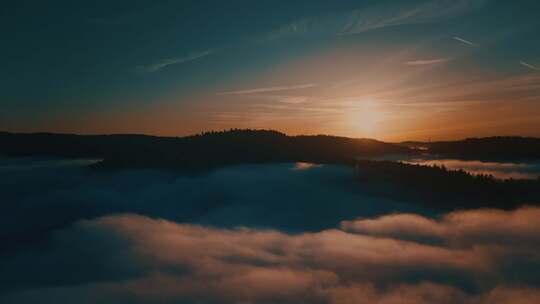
[377, 16]
[172, 61]
[292, 99]
[530, 66]
[270, 89]
[464, 41]
[427, 61]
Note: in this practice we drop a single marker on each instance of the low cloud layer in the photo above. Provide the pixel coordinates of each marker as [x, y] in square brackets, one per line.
[72, 235]
[460, 228]
[485, 256]
[40, 195]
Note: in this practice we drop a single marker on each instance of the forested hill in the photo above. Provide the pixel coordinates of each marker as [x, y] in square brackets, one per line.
[215, 149]
[207, 150]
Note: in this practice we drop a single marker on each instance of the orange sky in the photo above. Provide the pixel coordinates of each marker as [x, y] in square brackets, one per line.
[394, 72]
[347, 93]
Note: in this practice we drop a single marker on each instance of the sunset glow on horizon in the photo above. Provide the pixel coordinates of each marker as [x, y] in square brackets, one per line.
[394, 71]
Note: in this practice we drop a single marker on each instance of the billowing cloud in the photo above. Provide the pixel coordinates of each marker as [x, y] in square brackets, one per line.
[485, 256]
[460, 227]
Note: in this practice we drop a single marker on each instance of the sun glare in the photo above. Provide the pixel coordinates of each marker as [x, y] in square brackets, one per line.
[365, 117]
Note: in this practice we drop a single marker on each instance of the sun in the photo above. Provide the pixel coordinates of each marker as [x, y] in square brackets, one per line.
[365, 117]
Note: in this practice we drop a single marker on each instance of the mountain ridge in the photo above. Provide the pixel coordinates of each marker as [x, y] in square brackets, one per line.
[237, 146]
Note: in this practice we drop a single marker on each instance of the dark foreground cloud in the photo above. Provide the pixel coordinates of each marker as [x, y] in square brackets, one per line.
[40, 195]
[136, 259]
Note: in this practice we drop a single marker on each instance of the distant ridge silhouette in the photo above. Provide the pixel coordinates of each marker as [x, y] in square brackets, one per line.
[236, 146]
[436, 186]
[202, 151]
[489, 148]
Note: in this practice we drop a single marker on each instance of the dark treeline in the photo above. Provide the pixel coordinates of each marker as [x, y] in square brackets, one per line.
[246, 146]
[489, 148]
[199, 152]
[440, 188]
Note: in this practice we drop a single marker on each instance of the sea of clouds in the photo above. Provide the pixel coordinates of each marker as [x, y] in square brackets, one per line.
[481, 256]
[251, 234]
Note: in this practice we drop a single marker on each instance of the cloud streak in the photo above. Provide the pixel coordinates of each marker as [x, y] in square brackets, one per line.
[530, 66]
[168, 62]
[427, 61]
[270, 89]
[465, 41]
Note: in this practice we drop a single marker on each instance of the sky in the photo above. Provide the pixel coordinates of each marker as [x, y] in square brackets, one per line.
[391, 70]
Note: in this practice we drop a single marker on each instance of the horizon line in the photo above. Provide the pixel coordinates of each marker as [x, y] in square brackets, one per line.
[257, 130]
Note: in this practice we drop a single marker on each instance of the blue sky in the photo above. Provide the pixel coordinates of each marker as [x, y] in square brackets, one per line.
[386, 69]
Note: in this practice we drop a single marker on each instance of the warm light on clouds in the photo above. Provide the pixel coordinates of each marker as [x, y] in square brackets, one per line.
[382, 260]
